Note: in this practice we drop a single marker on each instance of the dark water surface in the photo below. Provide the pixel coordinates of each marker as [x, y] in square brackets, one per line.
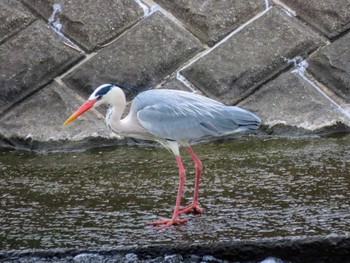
[251, 189]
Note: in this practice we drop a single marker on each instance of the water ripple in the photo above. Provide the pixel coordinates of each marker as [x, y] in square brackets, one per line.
[250, 189]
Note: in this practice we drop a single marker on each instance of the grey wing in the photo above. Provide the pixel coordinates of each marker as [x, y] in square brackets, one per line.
[178, 115]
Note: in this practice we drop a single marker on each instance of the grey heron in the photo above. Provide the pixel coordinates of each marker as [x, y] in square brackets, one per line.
[172, 118]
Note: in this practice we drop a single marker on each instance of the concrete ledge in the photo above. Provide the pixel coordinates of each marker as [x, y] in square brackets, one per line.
[335, 249]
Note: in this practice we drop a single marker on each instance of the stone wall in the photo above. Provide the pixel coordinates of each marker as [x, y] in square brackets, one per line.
[288, 61]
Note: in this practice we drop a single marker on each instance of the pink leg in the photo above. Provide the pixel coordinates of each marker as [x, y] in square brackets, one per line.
[194, 205]
[175, 219]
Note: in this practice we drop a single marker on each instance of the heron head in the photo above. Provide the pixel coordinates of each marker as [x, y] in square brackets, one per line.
[103, 94]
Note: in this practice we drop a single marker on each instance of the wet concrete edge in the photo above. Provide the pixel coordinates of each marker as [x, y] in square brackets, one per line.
[278, 130]
[316, 249]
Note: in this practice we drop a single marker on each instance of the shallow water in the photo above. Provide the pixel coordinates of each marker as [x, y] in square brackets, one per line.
[251, 189]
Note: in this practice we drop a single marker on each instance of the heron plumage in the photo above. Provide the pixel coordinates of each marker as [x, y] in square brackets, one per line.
[180, 115]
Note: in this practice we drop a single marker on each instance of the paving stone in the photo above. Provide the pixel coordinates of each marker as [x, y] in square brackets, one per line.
[174, 83]
[331, 66]
[290, 100]
[249, 58]
[212, 20]
[31, 60]
[141, 57]
[329, 17]
[13, 18]
[91, 23]
[37, 123]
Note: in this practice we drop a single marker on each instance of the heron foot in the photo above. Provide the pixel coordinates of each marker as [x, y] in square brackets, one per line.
[167, 222]
[190, 207]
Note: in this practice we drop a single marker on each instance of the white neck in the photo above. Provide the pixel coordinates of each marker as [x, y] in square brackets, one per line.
[128, 126]
[116, 99]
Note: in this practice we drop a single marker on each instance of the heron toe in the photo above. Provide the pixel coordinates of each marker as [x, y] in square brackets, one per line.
[167, 222]
[190, 207]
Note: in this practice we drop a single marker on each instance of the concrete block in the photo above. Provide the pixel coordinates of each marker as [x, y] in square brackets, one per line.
[174, 83]
[141, 57]
[329, 17]
[251, 57]
[331, 66]
[212, 20]
[37, 123]
[13, 18]
[30, 60]
[291, 101]
[91, 23]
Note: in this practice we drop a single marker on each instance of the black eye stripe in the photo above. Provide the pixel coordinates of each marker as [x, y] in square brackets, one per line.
[103, 91]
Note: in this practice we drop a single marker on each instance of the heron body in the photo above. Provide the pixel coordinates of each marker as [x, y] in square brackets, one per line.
[172, 118]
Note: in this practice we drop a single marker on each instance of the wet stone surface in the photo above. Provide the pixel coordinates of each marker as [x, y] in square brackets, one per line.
[252, 190]
[134, 258]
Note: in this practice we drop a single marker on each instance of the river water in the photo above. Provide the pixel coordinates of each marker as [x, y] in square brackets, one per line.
[251, 189]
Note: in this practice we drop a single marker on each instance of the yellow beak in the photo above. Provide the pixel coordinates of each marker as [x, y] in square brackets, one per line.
[83, 108]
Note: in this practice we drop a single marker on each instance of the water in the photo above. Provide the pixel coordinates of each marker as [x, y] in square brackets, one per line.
[251, 189]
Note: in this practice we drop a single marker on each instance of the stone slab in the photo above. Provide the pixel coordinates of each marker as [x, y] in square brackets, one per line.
[329, 17]
[174, 83]
[141, 57]
[37, 123]
[288, 101]
[31, 60]
[251, 57]
[13, 18]
[331, 66]
[91, 23]
[212, 20]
